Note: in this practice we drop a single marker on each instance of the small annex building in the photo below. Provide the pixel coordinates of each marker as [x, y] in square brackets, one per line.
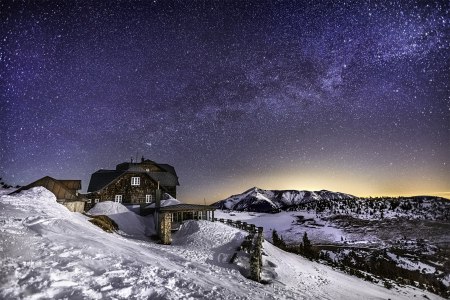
[66, 191]
[132, 183]
[169, 218]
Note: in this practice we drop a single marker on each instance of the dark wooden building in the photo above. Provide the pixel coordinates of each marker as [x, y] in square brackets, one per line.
[66, 191]
[132, 183]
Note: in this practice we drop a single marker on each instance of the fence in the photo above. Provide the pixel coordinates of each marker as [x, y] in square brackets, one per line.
[252, 244]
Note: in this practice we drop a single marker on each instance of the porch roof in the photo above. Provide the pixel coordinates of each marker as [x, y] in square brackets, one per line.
[186, 207]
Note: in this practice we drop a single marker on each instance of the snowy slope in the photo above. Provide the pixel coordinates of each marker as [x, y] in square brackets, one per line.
[259, 200]
[285, 223]
[128, 222]
[48, 252]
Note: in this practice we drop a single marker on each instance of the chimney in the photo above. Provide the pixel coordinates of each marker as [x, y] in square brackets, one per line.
[142, 159]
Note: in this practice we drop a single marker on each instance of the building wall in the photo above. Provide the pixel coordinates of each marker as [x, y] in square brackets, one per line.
[74, 206]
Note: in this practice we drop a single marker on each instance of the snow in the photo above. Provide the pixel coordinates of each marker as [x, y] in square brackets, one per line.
[48, 252]
[108, 208]
[129, 222]
[167, 202]
[6, 191]
[277, 199]
[408, 264]
[317, 230]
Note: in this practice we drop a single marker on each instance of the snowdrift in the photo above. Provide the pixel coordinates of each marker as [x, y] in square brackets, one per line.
[108, 208]
[128, 222]
[166, 201]
[48, 252]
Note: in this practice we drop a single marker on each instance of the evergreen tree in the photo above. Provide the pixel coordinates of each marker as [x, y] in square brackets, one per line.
[278, 240]
[306, 244]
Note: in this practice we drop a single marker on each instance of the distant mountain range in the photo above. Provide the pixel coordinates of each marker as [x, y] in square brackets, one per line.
[260, 200]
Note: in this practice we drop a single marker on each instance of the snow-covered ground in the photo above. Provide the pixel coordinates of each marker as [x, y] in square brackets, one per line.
[47, 252]
[411, 265]
[319, 231]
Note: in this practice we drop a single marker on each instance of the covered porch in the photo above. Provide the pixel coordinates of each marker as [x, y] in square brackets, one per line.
[182, 212]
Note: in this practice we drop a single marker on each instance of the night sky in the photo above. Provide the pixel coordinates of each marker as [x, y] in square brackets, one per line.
[350, 96]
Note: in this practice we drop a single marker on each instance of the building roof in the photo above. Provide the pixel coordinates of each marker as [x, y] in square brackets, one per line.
[71, 184]
[169, 169]
[164, 178]
[141, 166]
[185, 207]
[62, 189]
[102, 178]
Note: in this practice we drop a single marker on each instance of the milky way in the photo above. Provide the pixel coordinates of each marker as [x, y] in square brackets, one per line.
[350, 96]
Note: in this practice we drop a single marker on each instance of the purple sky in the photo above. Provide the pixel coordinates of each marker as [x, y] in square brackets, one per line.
[347, 96]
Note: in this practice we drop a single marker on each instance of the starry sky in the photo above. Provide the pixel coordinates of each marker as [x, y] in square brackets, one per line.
[350, 96]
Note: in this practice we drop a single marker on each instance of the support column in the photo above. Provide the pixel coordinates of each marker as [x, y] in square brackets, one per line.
[165, 226]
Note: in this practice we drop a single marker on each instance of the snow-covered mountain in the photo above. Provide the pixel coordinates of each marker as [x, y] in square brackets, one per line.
[260, 200]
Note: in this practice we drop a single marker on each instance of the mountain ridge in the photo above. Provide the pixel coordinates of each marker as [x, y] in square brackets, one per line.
[262, 200]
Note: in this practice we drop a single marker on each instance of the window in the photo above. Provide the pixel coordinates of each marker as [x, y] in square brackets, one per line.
[148, 198]
[89, 201]
[135, 180]
[96, 200]
[118, 198]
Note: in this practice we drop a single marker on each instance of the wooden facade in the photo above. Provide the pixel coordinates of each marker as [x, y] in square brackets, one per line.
[131, 194]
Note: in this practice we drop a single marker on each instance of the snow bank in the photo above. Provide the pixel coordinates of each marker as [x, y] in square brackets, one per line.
[192, 234]
[128, 222]
[166, 201]
[108, 208]
[39, 200]
[6, 191]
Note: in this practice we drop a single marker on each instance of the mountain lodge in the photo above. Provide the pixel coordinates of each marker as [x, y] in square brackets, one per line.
[132, 183]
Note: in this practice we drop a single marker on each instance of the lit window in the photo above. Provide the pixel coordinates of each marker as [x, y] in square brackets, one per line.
[118, 198]
[135, 180]
[89, 201]
[96, 200]
[148, 198]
